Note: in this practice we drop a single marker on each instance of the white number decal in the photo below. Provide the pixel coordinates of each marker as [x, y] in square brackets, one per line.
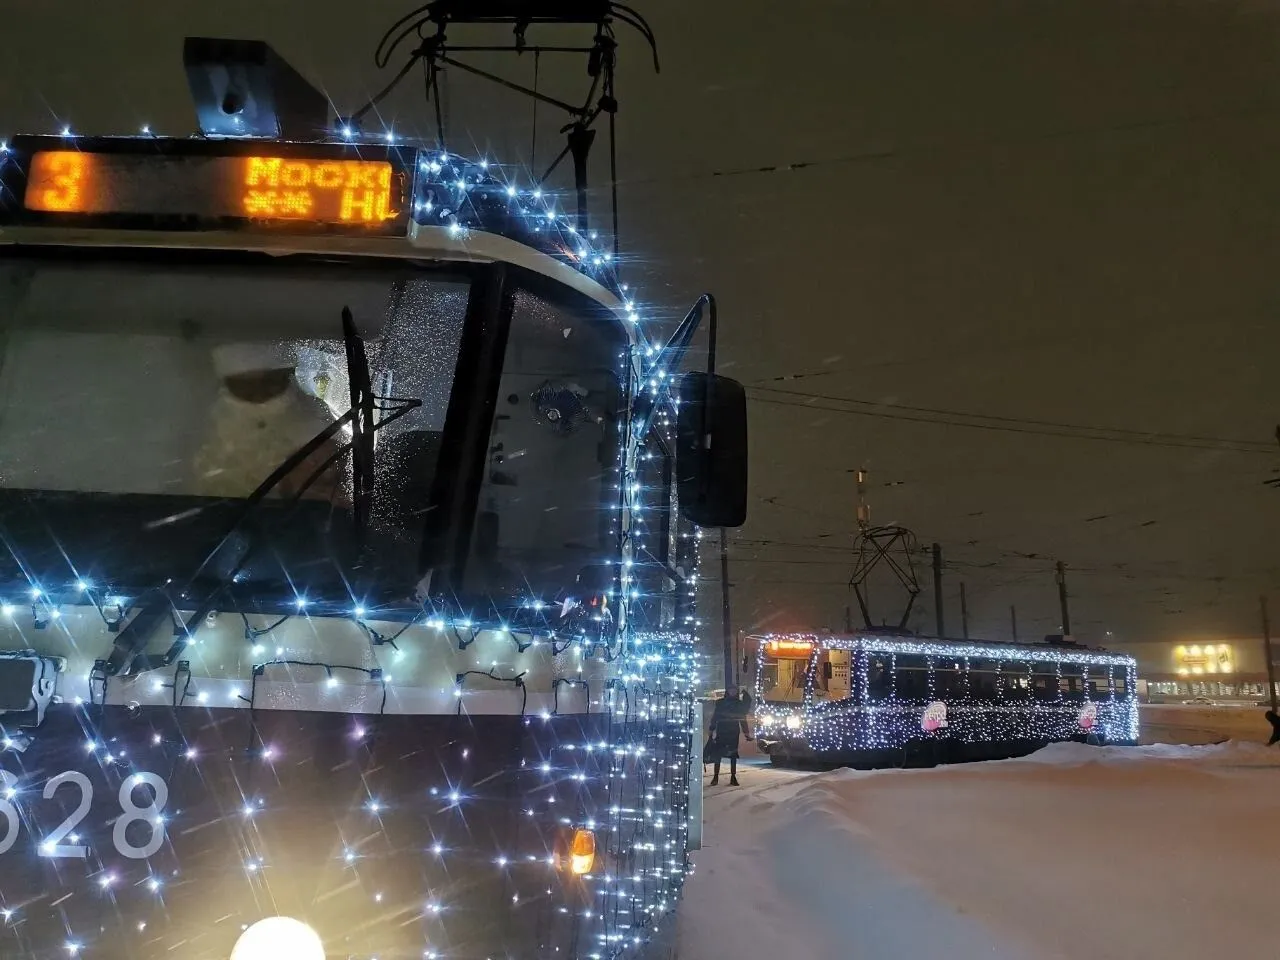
[151, 814]
[8, 782]
[54, 847]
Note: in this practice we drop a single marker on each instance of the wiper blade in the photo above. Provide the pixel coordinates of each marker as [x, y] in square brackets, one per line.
[362, 425]
[129, 642]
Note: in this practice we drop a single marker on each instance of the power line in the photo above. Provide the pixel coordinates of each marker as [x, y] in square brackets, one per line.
[978, 421]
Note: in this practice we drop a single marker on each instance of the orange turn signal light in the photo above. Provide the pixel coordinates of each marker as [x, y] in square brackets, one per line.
[583, 853]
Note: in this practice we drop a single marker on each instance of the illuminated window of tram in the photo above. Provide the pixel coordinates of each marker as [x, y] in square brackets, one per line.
[782, 678]
[831, 675]
[1120, 681]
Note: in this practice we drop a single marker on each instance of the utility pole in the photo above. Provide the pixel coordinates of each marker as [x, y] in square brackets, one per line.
[964, 613]
[937, 589]
[1062, 599]
[726, 622]
[1013, 621]
[1266, 652]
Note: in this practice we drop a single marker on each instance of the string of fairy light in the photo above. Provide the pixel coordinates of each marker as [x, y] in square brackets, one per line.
[630, 780]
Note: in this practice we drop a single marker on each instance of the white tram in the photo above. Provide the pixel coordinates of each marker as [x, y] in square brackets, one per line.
[880, 700]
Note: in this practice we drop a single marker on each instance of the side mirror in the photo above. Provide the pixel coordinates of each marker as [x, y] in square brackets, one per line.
[711, 450]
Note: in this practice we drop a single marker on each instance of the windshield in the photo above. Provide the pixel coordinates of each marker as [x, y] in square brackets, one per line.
[141, 403]
[782, 678]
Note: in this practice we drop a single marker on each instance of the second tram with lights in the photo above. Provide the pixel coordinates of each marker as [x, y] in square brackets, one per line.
[865, 699]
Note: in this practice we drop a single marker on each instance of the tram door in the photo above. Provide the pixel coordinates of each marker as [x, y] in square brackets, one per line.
[833, 675]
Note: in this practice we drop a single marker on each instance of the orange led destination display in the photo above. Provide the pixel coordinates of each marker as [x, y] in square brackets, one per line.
[324, 191]
[788, 649]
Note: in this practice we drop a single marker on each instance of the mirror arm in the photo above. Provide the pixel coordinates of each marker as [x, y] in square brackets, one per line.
[672, 355]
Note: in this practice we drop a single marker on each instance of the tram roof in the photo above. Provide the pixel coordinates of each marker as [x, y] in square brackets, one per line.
[455, 210]
[1064, 652]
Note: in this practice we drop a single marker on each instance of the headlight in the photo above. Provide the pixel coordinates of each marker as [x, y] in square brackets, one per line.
[793, 722]
[278, 937]
[768, 720]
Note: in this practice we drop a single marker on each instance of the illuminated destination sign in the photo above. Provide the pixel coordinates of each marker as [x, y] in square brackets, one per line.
[330, 191]
[788, 649]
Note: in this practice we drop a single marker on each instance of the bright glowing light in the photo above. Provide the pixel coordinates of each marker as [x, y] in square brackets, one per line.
[583, 854]
[82, 585]
[359, 611]
[277, 937]
[793, 722]
[7, 609]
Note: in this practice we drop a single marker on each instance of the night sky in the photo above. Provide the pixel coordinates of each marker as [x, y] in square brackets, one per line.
[1061, 211]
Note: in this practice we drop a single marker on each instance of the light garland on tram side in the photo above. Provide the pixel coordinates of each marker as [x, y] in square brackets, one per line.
[855, 724]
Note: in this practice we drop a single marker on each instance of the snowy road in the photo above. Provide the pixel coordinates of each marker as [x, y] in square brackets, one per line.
[1160, 851]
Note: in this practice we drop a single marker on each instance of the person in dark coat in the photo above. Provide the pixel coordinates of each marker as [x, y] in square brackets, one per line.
[1275, 727]
[728, 720]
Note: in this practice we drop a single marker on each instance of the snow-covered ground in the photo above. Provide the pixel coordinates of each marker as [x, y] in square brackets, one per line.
[1155, 851]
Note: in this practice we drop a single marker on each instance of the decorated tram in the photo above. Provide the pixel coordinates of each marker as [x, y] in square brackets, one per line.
[350, 522]
[867, 699]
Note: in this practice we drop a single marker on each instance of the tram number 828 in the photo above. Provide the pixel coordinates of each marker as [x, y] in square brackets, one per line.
[150, 813]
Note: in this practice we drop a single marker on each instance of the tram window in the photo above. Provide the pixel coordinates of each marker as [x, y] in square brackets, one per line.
[1044, 681]
[783, 680]
[1015, 683]
[130, 386]
[982, 679]
[1072, 680]
[879, 677]
[911, 675]
[948, 678]
[543, 512]
[656, 606]
[1099, 685]
[1120, 681]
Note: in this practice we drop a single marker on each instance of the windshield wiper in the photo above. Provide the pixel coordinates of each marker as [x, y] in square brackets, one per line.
[362, 425]
[129, 642]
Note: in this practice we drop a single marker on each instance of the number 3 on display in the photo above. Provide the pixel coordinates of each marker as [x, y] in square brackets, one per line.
[149, 813]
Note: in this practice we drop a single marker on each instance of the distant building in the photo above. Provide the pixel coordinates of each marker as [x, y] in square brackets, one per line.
[1230, 668]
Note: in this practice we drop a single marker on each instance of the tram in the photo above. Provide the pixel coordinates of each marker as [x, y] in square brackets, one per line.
[349, 527]
[867, 699]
